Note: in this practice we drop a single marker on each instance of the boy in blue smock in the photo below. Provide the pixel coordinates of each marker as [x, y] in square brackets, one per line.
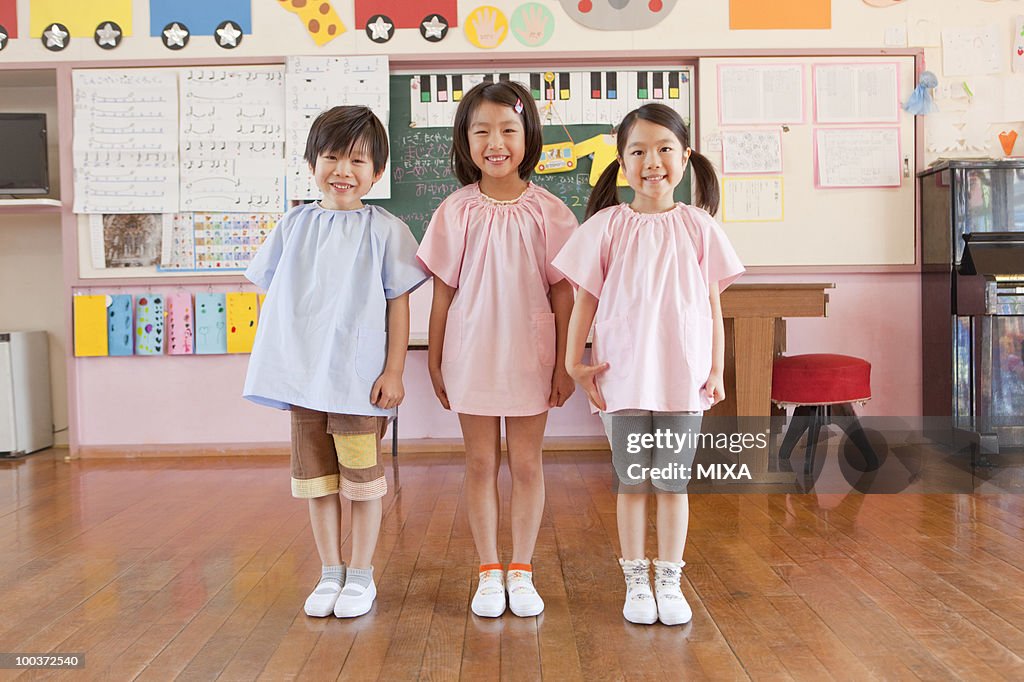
[331, 344]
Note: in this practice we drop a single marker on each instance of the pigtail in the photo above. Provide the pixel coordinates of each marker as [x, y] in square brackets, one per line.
[606, 191]
[706, 190]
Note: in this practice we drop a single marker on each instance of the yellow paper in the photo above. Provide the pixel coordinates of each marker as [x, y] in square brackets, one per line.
[80, 16]
[321, 21]
[604, 150]
[241, 319]
[90, 313]
[780, 14]
[486, 27]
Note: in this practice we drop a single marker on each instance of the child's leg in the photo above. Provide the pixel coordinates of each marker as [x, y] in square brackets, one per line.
[481, 436]
[631, 519]
[525, 436]
[357, 447]
[673, 520]
[315, 478]
[629, 458]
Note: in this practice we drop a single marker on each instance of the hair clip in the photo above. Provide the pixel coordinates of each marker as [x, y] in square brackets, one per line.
[518, 106]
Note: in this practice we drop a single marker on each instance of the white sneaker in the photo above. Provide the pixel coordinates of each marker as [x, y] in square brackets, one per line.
[355, 600]
[672, 606]
[489, 600]
[640, 606]
[522, 595]
[320, 603]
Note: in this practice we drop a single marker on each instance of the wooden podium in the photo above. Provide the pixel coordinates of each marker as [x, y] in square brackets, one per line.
[755, 332]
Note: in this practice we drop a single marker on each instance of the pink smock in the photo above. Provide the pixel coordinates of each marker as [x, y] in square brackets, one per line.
[499, 341]
[652, 274]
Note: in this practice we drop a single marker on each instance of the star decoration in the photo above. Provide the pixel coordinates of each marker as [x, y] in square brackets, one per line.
[56, 38]
[175, 36]
[229, 35]
[108, 35]
[380, 28]
[3, 37]
[434, 28]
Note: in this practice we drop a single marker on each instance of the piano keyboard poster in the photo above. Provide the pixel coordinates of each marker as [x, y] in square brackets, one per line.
[563, 97]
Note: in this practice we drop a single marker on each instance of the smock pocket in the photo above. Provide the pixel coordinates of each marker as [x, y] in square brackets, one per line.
[452, 338]
[371, 351]
[697, 332]
[613, 343]
[544, 336]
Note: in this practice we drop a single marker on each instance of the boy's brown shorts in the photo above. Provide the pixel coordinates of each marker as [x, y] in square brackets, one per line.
[328, 449]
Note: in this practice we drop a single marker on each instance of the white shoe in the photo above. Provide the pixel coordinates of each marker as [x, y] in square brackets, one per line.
[672, 606]
[355, 600]
[640, 606]
[522, 595]
[320, 603]
[489, 600]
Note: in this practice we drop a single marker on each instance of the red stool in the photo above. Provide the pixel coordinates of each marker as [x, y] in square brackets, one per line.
[820, 386]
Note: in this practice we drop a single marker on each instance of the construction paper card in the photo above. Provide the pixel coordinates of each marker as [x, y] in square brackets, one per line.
[149, 324]
[780, 14]
[9, 17]
[241, 319]
[180, 324]
[90, 313]
[120, 330]
[617, 15]
[405, 14]
[80, 17]
[200, 16]
[211, 322]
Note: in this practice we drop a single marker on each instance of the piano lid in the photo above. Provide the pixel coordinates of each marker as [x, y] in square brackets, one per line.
[993, 253]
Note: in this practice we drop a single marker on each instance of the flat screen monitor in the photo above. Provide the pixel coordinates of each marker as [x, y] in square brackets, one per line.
[23, 154]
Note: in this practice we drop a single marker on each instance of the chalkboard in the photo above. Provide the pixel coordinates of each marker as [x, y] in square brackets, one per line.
[421, 175]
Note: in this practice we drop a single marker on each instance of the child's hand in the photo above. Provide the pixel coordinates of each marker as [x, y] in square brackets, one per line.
[714, 388]
[562, 386]
[387, 391]
[586, 377]
[438, 381]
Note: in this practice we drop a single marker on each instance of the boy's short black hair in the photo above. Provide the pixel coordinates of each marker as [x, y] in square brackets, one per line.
[342, 129]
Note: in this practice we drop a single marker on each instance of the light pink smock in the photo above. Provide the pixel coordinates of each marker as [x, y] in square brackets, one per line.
[499, 342]
[652, 274]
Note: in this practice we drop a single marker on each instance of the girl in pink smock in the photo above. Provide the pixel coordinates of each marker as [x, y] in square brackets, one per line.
[649, 274]
[498, 324]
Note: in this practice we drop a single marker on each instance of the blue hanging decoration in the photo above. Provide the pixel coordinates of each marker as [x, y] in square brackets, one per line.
[920, 101]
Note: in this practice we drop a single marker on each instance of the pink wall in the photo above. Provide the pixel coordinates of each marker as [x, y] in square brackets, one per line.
[164, 400]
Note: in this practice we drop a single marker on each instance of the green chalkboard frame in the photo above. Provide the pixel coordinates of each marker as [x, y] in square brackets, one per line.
[421, 175]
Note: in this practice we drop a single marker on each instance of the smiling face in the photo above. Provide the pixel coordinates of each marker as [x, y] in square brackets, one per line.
[653, 162]
[345, 178]
[497, 143]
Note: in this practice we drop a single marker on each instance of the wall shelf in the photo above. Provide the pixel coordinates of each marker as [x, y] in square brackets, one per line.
[23, 206]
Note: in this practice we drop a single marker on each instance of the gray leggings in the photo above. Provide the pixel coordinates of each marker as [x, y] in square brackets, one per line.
[667, 449]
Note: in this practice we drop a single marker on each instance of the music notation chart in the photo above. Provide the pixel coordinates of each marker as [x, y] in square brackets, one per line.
[125, 141]
[232, 140]
[213, 241]
[314, 84]
[563, 97]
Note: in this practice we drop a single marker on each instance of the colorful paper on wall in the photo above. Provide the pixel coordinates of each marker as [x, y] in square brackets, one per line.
[211, 323]
[241, 319]
[80, 17]
[486, 27]
[320, 19]
[201, 16]
[406, 14]
[9, 17]
[780, 14]
[180, 324]
[616, 15]
[149, 325]
[1017, 58]
[90, 313]
[120, 330]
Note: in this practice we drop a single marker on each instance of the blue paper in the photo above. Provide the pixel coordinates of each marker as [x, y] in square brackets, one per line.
[200, 16]
[120, 331]
[211, 324]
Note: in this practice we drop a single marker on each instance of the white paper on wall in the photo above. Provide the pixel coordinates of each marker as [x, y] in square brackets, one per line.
[858, 157]
[125, 140]
[753, 94]
[972, 50]
[753, 199]
[856, 93]
[1017, 46]
[751, 151]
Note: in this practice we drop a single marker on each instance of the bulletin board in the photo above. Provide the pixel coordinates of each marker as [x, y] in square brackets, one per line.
[832, 211]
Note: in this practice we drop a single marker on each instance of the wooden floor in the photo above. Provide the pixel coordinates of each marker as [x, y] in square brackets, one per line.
[198, 568]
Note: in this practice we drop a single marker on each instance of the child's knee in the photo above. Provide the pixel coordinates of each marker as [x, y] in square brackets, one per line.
[357, 446]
